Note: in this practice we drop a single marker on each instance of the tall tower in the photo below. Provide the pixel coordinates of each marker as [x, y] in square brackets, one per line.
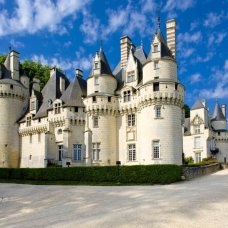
[101, 111]
[13, 102]
[161, 103]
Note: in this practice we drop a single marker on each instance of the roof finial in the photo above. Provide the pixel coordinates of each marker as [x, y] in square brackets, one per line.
[101, 44]
[158, 19]
[141, 43]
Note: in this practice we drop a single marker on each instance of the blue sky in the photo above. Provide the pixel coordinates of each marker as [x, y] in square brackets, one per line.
[67, 33]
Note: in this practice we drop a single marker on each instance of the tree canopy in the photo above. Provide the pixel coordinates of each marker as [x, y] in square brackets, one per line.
[33, 70]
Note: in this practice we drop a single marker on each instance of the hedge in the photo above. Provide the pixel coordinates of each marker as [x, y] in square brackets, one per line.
[152, 174]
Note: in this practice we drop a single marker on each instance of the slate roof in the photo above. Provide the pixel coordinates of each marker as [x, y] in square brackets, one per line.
[51, 91]
[217, 114]
[105, 68]
[74, 93]
[198, 105]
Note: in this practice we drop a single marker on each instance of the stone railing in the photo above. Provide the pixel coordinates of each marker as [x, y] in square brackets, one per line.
[197, 171]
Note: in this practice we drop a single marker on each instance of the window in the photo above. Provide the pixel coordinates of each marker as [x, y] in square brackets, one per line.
[30, 138]
[155, 48]
[76, 109]
[157, 111]
[39, 120]
[176, 86]
[156, 86]
[109, 99]
[198, 157]
[28, 121]
[77, 152]
[96, 151]
[60, 152]
[57, 108]
[39, 137]
[49, 103]
[96, 66]
[197, 142]
[197, 129]
[11, 86]
[95, 121]
[156, 65]
[131, 120]
[131, 152]
[33, 105]
[127, 96]
[130, 77]
[96, 81]
[156, 149]
[60, 131]
[94, 99]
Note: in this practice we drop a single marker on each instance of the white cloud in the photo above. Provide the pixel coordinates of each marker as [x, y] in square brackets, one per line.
[220, 78]
[178, 5]
[32, 16]
[16, 44]
[200, 59]
[194, 78]
[2, 1]
[212, 20]
[189, 37]
[148, 5]
[65, 64]
[67, 44]
[90, 27]
[185, 53]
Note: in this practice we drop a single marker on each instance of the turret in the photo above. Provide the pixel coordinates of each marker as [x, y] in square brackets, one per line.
[101, 80]
[218, 120]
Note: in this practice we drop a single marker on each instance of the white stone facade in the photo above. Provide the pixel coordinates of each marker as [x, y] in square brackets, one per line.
[206, 136]
[132, 115]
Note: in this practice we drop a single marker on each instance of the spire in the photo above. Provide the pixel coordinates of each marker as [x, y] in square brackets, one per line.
[217, 114]
[105, 68]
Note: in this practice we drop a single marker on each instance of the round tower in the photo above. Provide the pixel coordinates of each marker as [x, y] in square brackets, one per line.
[101, 110]
[13, 103]
[160, 108]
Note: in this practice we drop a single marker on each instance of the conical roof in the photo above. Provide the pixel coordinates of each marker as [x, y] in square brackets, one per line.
[105, 68]
[7, 62]
[217, 114]
[73, 95]
[198, 105]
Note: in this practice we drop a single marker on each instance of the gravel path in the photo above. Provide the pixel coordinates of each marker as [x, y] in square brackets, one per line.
[202, 202]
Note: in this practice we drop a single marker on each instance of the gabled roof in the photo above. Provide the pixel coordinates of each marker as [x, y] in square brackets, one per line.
[105, 68]
[74, 93]
[51, 91]
[217, 114]
[140, 55]
[198, 105]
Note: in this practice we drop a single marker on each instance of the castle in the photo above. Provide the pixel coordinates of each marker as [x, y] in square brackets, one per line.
[132, 115]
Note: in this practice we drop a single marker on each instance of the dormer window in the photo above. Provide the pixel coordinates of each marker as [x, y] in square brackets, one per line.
[155, 47]
[94, 99]
[57, 108]
[96, 66]
[131, 77]
[28, 121]
[127, 96]
[33, 105]
[197, 129]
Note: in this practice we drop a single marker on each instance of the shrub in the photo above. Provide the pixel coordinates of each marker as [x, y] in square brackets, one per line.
[188, 160]
[153, 174]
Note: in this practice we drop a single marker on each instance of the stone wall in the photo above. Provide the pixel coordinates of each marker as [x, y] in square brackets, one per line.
[192, 172]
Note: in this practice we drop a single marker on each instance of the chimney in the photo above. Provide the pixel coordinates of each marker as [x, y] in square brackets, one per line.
[125, 47]
[171, 36]
[52, 70]
[14, 65]
[224, 110]
[78, 73]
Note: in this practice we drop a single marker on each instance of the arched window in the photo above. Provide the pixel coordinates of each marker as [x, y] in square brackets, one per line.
[60, 131]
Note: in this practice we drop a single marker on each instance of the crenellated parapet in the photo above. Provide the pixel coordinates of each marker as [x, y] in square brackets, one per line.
[31, 130]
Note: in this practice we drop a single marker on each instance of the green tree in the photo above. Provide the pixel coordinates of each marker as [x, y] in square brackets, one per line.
[33, 70]
[2, 58]
[187, 111]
